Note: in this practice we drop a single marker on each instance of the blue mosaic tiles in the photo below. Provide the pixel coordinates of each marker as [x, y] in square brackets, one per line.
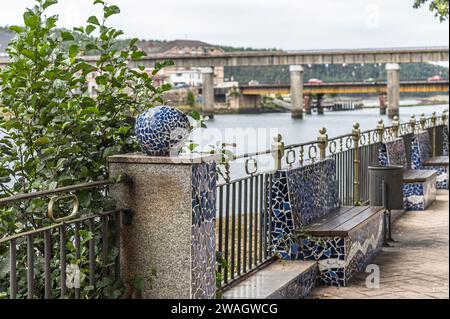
[362, 245]
[330, 255]
[419, 195]
[313, 190]
[421, 151]
[162, 130]
[445, 141]
[282, 221]
[300, 196]
[203, 252]
[299, 288]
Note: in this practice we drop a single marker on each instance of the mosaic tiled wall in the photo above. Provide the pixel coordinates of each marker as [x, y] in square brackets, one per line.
[445, 141]
[203, 253]
[313, 190]
[421, 152]
[304, 194]
[282, 221]
[417, 196]
[299, 196]
[362, 244]
[298, 289]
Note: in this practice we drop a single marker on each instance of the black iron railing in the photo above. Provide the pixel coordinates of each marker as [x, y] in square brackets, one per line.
[73, 257]
[244, 204]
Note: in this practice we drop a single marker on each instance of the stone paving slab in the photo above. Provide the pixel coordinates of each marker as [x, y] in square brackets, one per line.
[415, 267]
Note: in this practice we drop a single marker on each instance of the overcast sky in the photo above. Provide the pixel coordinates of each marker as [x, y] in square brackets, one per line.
[284, 24]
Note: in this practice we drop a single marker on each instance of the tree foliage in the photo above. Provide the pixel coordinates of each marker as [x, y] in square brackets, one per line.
[55, 134]
[438, 7]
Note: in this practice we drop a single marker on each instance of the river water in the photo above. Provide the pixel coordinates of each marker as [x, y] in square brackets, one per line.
[253, 132]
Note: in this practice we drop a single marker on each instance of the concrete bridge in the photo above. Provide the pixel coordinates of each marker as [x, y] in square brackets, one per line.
[391, 56]
[346, 88]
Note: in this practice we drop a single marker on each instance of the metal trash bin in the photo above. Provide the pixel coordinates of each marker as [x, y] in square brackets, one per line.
[386, 189]
[392, 178]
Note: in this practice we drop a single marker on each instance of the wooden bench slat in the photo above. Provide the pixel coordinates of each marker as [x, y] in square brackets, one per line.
[357, 220]
[438, 160]
[420, 175]
[333, 226]
[329, 217]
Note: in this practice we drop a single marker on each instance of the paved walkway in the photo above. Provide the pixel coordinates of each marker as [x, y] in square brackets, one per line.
[417, 266]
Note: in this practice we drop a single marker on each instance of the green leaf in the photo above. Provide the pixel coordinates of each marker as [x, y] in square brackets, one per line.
[42, 140]
[16, 29]
[73, 50]
[90, 28]
[49, 3]
[93, 20]
[111, 10]
[67, 36]
[99, 1]
[31, 19]
[137, 54]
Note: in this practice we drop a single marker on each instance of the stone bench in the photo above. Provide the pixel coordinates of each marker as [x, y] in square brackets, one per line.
[419, 186]
[421, 159]
[308, 223]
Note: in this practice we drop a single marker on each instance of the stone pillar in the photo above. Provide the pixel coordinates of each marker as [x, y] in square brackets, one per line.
[319, 104]
[296, 90]
[382, 100]
[172, 231]
[308, 101]
[393, 88]
[208, 92]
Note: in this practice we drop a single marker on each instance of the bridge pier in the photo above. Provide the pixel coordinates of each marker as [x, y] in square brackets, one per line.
[296, 90]
[208, 92]
[382, 100]
[319, 104]
[393, 89]
[308, 101]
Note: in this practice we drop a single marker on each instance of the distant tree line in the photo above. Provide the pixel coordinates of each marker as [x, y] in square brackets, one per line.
[335, 73]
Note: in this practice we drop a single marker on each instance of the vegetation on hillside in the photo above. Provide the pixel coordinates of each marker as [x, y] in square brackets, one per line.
[335, 73]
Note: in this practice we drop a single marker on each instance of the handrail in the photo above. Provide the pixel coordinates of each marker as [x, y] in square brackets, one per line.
[61, 190]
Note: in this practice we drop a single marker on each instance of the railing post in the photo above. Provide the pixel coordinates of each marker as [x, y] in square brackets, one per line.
[433, 122]
[422, 121]
[412, 123]
[395, 126]
[170, 245]
[380, 130]
[444, 117]
[277, 151]
[356, 136]
[322, 139]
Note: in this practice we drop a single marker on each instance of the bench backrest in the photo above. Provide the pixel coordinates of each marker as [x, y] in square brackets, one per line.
[393, 153]
[298, 197]
[313, 191]
[445, 141]
[421, 149]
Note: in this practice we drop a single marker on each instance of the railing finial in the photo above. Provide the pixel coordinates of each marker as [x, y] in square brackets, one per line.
[380, 130]
[395, 125]
[278, 150]
[322, 139]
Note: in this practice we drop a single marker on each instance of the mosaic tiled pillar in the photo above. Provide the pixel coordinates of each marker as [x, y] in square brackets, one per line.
[173, 225]
[445, 141]
[420, 150]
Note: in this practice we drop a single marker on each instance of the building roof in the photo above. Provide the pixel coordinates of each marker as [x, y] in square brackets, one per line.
[164, 46]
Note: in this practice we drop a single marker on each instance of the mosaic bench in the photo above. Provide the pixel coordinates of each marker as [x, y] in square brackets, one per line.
[308, 223]
[419, 186]
[421, 159]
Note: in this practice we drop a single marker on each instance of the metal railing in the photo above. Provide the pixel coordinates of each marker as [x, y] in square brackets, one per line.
[76, 256]
[244, 204]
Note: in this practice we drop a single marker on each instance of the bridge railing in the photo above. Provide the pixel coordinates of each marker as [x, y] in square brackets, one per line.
[244, 203]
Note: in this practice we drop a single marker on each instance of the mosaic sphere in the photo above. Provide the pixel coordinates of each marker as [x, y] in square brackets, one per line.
[162, 130]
